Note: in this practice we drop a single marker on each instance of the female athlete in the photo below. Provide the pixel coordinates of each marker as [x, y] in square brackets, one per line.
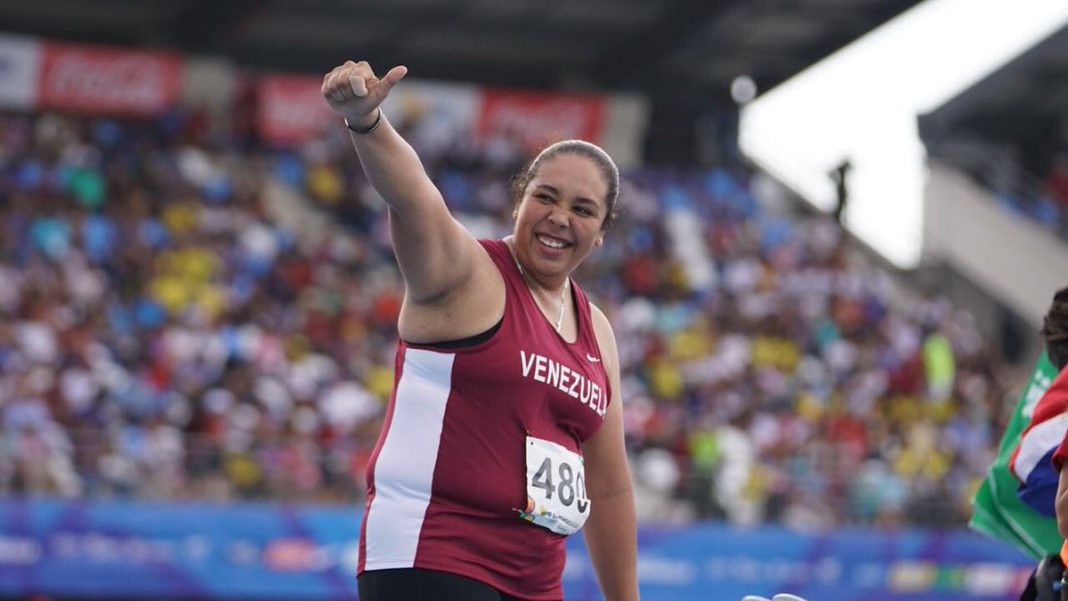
[504, 431]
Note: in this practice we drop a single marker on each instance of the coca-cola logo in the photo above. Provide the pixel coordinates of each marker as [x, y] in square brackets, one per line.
[565, 119]
[291, 109]
[131, 80]
[539, 118]
[299, 110]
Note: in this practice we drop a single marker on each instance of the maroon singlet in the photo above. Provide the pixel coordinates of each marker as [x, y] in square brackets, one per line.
[448, 471]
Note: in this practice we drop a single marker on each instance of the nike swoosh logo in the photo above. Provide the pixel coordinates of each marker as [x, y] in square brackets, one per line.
[592, 359]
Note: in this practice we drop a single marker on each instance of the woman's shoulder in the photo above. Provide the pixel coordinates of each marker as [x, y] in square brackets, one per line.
[496, 249]
[602, 327]
[600, 320]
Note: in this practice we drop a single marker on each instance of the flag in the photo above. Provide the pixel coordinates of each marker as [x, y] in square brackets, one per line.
[996, 509]
[1032, 461]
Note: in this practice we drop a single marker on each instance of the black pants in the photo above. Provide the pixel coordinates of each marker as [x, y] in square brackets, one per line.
[1044, 581]
[416, 584]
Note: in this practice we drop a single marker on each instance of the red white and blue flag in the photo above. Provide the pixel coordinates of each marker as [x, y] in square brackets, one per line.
[1032, 461]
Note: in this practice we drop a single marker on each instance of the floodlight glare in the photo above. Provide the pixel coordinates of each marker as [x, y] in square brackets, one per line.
[861, 103]
[743, 89]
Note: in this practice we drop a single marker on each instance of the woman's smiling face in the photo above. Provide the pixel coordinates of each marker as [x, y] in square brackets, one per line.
[561, 215]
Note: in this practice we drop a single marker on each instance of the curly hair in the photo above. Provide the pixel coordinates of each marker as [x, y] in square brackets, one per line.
[1055, 329]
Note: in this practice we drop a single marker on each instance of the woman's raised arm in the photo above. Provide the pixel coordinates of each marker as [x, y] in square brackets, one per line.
[435, 253]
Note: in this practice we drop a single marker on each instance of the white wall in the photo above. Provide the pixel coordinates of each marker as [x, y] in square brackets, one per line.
[1010, 257]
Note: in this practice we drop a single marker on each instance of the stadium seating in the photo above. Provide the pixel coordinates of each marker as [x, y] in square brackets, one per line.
[184, 318]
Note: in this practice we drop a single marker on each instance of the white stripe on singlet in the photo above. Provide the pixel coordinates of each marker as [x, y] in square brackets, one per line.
[404, 470]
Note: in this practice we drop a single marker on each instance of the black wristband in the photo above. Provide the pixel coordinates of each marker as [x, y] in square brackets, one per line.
[369, 129]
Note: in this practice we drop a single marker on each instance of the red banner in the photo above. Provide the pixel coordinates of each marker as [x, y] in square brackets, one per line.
[539, 118]
[100, 79]
[291, 108]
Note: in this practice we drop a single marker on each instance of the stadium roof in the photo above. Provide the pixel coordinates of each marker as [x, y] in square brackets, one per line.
[1023, 105]
[683, 54]
[685, 46]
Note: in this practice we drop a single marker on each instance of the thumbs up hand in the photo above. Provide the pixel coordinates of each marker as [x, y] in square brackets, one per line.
[354, 92]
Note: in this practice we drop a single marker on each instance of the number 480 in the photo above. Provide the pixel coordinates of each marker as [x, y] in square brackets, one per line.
[567, 487]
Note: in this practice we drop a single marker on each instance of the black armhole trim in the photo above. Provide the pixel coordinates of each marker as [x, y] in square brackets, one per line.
[466, 342]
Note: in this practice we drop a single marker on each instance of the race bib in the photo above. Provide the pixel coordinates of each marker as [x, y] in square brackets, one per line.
[556, 488]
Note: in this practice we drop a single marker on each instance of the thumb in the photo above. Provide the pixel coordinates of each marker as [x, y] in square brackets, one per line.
[390, 79]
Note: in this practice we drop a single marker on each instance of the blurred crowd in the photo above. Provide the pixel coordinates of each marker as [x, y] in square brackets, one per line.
[1042, 196]
[1033, 184]
[183, 316]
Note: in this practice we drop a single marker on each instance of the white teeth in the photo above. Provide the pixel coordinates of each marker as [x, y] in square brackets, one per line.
[550, 242]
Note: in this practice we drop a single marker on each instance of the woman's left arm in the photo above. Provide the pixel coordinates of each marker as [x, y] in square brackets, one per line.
[611, 530]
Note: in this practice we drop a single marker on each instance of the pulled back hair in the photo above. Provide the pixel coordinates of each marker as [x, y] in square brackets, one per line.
[604, 163]
[1055, 329]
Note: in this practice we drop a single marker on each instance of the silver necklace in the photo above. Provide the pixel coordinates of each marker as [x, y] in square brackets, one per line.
[563, 293]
